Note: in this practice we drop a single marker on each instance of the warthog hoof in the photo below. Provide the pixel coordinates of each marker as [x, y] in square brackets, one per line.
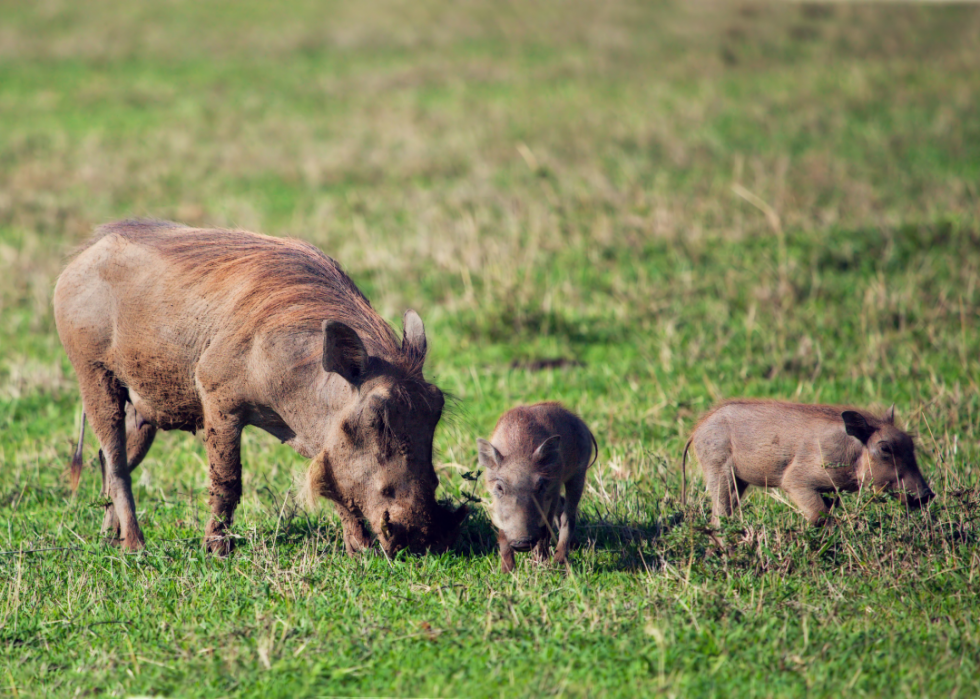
[219, 545]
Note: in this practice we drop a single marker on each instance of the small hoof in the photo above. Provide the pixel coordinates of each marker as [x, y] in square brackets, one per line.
[110, 523]
[356, 546]
[822, 519]
[219, 546]
[133, 543]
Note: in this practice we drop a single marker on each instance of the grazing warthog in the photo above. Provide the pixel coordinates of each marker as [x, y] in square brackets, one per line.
[533, 452]
[208, 331]
[806, 450]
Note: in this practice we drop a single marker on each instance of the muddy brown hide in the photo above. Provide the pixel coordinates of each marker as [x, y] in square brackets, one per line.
[210, 331]
[535, 452]
[805, 450]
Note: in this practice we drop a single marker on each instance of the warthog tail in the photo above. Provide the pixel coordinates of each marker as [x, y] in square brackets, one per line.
[684, 473]
[75, 470]
[595, 446]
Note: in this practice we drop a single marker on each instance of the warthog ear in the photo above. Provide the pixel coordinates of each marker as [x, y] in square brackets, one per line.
[547, 457]
[490, 458]
[857, 426]
[413, 337]
[890, 415]
[343, 352]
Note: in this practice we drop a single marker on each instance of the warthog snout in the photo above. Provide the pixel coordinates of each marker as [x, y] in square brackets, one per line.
[915, 500]
[522, 544]
[422, 535]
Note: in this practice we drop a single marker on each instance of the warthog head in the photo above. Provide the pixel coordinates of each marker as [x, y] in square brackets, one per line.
[889, 462]
[524, 490]
[377, 458]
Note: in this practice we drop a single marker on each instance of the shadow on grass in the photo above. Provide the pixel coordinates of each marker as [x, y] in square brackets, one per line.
[619, 538]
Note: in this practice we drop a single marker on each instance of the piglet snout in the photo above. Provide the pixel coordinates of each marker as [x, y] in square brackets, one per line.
[916, 500]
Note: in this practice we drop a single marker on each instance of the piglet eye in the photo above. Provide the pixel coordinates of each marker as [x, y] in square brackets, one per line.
[885, 448]
[498, 489]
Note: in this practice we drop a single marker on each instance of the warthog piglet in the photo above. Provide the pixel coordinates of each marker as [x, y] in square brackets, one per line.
[534, 451]
[806, 450]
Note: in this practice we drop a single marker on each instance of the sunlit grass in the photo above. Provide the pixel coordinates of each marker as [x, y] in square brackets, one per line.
[685, 202]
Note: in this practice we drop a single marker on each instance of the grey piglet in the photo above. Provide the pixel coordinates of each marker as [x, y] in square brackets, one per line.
[533, 453]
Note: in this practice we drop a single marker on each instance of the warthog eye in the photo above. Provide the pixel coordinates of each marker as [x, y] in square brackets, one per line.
[885, 448]
[498, 488]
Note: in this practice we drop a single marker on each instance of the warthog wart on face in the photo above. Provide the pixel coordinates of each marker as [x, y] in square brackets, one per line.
[380, 467]
[536, 451]
[805, 450]
[377, 461]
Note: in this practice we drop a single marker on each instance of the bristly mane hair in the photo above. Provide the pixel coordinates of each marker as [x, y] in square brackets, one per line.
[829, 412]
[273, 282]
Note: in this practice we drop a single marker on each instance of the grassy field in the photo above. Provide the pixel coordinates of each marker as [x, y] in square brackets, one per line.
[686, 201]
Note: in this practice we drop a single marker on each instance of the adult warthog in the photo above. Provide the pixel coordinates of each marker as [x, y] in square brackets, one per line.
[209, 331]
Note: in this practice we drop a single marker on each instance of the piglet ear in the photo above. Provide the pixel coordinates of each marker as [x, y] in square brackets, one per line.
[890, 415]
[857, 426]
[490, 458]
[547, 457]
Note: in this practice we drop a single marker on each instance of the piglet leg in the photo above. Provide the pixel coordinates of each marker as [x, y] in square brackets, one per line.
[566, 528]
[542, 550]
[812, 503]
[506, 554]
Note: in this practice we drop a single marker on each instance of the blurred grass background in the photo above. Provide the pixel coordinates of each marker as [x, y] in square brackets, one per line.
[691, 200]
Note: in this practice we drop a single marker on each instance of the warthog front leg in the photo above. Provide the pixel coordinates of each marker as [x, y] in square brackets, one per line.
[506, 553]
[542, 550]
[320, 481]
[223, 441]
[356, 536]
[569, 514]
[812, 503]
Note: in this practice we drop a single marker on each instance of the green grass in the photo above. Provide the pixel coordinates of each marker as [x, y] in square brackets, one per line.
[588, 181]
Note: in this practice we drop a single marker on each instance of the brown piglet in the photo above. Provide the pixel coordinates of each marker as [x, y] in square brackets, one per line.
[806, 450]
[534, 451]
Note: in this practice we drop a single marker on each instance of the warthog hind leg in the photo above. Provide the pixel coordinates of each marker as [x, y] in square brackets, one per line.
[104, 400]
[725, 489]
[139, 439]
